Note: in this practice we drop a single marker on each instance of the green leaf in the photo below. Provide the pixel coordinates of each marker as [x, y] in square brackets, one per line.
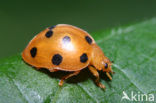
[133, 50]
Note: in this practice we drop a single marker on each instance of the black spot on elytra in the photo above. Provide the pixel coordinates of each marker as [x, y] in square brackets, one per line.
[33, 52]
[66, 39]
[88, 39]
[49, 34]
[83, 58]
[52, 27]
[57, 59]
[106, 65]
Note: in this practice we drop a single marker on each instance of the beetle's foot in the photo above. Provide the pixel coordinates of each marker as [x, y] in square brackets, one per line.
[68, 76]
[101, 85]
[61, 82]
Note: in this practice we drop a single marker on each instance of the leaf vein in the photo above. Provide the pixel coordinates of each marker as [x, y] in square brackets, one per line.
[17, 88]
[119, 68]
[117, 31]
[88, 93]
[56, 94]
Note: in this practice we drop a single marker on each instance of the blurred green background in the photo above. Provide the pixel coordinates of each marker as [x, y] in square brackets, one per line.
[21, 20]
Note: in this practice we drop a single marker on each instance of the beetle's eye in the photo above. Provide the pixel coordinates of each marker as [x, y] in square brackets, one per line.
[106, 65]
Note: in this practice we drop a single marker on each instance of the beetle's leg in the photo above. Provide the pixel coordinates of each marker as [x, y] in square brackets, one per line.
[96, 74]
[53, 70]
[36, 67]
[108, 75]
[68, 76]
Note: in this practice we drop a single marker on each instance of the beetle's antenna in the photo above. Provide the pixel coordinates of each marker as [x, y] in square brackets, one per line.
[111, 71]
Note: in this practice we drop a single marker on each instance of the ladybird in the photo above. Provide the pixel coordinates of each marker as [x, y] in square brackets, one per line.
[67, 48]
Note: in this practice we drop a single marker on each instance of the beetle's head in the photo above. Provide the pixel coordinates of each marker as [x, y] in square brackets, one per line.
[100, 61]
[107, 65]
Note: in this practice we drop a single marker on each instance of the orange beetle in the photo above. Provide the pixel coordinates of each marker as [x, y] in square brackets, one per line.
[66, 48]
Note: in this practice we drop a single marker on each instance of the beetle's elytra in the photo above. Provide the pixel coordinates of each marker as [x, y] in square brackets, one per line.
[66, 48]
